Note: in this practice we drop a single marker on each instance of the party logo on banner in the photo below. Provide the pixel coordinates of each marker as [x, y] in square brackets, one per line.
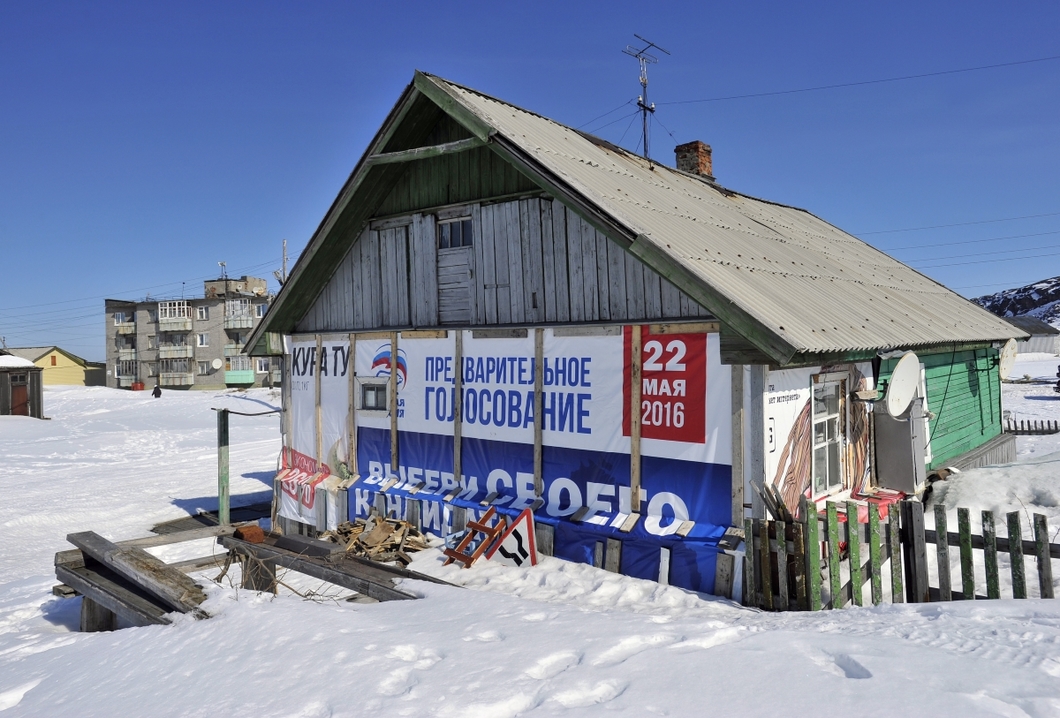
[381, 365]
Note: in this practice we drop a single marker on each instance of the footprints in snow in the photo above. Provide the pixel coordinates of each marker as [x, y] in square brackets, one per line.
[552, 665]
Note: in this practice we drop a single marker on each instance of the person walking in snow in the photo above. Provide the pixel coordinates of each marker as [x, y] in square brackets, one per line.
[157, 391]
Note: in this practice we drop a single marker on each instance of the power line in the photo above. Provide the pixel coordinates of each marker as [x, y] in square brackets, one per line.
[864, 82]
[967, 241]
[983, 254]
[959, 224]
[627, 102]
[987, 261]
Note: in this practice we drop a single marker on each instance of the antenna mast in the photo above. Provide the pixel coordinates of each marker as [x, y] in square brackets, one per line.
[642, 101]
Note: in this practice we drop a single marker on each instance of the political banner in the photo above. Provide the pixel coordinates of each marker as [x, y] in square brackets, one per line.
[686, 454]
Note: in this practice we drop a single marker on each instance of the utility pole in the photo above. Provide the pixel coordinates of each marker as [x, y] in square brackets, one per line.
[281, 276]
[642, 102]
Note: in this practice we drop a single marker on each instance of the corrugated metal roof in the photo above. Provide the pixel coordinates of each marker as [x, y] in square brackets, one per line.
[816, 287]
[31, 353]
[1032, 325]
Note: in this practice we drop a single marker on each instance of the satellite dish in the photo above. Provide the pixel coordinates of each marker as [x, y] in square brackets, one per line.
[1007, 359]
[216, 363]
[903, 384]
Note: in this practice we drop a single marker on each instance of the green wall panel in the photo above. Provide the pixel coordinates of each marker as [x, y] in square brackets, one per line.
[964, 392]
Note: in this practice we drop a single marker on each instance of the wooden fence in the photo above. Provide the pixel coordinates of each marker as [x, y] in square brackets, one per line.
[821, 563]
[1035, 427]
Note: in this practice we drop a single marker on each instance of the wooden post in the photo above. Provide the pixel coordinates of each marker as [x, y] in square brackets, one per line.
[458, 409]
[545, 536]
[894, 544]
[993, 585]
[1015, 553]
[636, 361]
[351, 422]
[539, 389]
[755, 428]
[258, 574]
[319, 362]
[942, 553]
[736, 403]
[780, 531]
[95, 617]
[964, 531]
[750, 590]
[854, 549]
[223, 516]
[835, 578]
[765, 564]
[875, 556]
[915, 553]
[613, 555]
[1041, 549]
[813, 553]
[393, 390]
[798, 564]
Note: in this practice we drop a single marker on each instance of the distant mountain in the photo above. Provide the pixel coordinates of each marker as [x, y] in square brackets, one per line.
[1041, 299]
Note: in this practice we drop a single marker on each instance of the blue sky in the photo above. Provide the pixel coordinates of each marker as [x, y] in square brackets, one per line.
[141, 143]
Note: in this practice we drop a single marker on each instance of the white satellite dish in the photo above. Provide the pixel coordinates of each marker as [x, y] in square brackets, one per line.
[216, 363]
[1007, 359]
[903, 384]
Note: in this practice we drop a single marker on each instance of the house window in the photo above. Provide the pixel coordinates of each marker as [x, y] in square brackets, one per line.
[19, 378]
[263, 365]
[122, 317]
[202, 313]
[152, 315]
[152, 342]
[454, 233]
[373, 397]
[237, 308]
[203, 340]
[174, 366]
[152, 368]
[204, 368]
[54, 359]
[829, 428]
[238, 363]
[126, 368]
[260, 309]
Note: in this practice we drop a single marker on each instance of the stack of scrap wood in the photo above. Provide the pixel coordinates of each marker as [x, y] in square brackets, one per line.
[379, 539]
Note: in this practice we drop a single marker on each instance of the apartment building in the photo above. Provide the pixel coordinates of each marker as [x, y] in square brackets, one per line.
[190, 343]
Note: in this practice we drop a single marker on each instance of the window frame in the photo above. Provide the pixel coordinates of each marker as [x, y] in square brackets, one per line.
[838, 437]
[202, 340]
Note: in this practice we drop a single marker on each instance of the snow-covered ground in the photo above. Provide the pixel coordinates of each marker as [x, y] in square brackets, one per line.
[555, 639]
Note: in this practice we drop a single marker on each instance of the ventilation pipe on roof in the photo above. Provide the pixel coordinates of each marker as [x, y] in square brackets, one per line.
[694, 157]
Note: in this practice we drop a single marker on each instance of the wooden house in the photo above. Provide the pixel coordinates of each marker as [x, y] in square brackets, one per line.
[61, 368]
[21, 390]
[491, 292]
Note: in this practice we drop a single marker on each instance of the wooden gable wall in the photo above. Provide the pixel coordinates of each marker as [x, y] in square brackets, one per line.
[533, 262]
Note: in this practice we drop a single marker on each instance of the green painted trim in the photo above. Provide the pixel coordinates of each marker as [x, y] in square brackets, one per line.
[422, 153]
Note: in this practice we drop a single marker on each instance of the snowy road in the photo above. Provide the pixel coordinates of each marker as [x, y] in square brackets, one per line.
[556, 639]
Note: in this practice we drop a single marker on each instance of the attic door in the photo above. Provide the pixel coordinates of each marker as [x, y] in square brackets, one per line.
[455, 270]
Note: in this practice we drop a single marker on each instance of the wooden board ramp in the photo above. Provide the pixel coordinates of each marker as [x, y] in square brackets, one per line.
[120, 582]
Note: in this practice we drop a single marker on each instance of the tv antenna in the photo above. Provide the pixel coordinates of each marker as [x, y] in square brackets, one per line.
[642, 101]
[224, 269]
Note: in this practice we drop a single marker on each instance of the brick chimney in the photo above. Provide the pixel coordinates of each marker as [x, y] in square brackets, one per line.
[694, 157]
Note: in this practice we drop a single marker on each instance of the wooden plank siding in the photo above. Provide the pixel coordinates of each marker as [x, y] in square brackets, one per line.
[964, 392]
[532, 262]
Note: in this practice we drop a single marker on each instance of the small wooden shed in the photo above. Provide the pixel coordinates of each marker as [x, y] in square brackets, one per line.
[499, 311]
[1044, 338]
[21, 388]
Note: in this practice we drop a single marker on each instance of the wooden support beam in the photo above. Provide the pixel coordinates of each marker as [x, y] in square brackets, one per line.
[95, 617]
[636, 362]
[539, 390]
[458, 408]
[318, 361]
[223, 513]
[105, 589]
[736, 404]
[351, 419]
[422, 153]
[393, 397]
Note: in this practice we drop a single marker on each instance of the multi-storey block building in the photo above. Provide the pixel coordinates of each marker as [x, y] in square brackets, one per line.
[190, 343]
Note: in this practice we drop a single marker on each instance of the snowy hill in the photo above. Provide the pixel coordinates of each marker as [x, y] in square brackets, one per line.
[1041, 300]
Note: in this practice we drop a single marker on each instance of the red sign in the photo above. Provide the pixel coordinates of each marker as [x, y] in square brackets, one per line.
[673, 391]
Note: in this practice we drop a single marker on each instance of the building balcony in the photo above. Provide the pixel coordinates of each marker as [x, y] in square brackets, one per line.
[239, 321]
[245, 376]
[176, 352]
[126, 355]
[125, 328]
[126, 381]
[176, 379]
[233, 350]
[178, 324]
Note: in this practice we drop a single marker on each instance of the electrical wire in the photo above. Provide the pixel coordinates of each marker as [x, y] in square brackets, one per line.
[627, 102]
[863, 82]
[960, 224]
[967, 241]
